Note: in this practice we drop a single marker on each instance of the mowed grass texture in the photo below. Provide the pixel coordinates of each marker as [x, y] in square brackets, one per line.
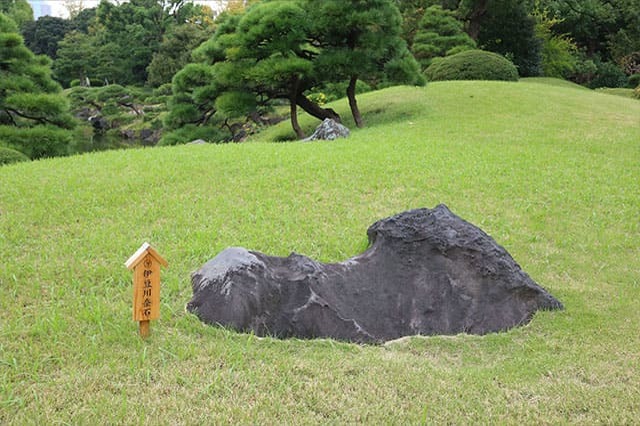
[551, 172]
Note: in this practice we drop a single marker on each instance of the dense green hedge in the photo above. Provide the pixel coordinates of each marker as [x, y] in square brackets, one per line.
[608, 74]
[8, 156]
[192, 132]
[633, 81]
[472, 65]
[39, 141]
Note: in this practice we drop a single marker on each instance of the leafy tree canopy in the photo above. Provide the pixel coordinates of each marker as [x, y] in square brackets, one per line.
[281, 49]
[19, 11]
[609, 29]
[42, 36]
[361, 40]
[175, 51]
[508, 28]
[440, 33]
[31, 103]
[117, 42]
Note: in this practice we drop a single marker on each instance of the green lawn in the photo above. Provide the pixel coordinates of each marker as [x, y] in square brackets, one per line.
[627, 93]
[551, 172]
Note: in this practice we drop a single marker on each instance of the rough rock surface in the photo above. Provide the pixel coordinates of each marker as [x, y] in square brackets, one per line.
[329, 130]
[99, 123]
[425, 272]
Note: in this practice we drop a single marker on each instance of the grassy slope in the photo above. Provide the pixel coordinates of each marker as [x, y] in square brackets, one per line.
[554, 82]
[627, 93]
[550, 172]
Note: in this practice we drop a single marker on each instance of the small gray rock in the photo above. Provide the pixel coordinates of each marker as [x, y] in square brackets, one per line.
[328, 130]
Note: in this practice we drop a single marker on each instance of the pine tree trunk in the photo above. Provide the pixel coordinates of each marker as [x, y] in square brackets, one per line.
[353, 103]
[474, 19]
[293, 106]
[294, 118]
[315, 110]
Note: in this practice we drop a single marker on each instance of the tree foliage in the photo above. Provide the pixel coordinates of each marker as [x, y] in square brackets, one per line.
[609, 29]
[413, 11]
[19, 11]
[558, 50]
[281, 49]
[177, 44]
[34, 115]
[440, 33]
[508, 28]
[360, 40]
[42, 36]
[10, 156]
[117, 42]
[77, 58]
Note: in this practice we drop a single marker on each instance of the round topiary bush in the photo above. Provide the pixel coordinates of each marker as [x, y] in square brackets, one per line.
[8, 156]
[608, 74]
[633, 81]
[472, 65]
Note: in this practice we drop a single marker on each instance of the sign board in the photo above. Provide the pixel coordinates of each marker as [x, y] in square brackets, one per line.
[145, 264]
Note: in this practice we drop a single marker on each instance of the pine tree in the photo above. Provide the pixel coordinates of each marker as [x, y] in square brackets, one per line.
[439, 33]
[34, 115]
[361, 40]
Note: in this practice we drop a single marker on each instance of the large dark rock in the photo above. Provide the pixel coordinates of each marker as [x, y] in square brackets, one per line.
[425, 272]
[99, 123]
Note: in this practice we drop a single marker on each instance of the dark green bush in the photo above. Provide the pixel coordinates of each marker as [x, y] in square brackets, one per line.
[39, 141]
[472, 65]
[164, 90]
[608, 74]
[334, 91]
[8, 156]
[508, 28]
[440, 33]
[585, 69]
[633, 81]
[192, 132]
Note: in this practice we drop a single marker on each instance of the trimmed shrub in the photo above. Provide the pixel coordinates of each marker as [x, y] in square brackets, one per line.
[192, 132]
[439, 34]
[9, 156]
[164, 90]
[334, 91]
[584, 71]
[39, 141]
[96, 82]
[608, 74]
[472, 65]
[633, 81]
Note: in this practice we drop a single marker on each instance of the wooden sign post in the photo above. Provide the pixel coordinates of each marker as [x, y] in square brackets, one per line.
[145, 264]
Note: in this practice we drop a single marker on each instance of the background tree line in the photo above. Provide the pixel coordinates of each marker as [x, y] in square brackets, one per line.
[221, 74]
[144, 42]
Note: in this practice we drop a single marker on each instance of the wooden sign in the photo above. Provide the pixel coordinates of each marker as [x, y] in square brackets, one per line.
[145, 264]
